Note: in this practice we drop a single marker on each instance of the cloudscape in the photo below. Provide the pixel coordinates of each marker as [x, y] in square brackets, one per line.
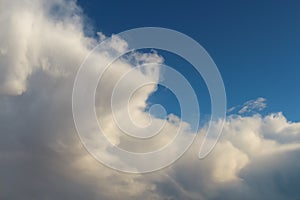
[43, 45]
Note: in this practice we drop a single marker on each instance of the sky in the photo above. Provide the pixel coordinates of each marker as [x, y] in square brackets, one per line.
[254, 44]
[51, 146]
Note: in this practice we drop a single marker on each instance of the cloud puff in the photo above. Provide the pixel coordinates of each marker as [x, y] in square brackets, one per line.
[249, 162]
[42, 46]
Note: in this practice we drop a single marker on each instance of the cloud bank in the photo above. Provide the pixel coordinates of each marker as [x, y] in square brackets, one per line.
[42, 44]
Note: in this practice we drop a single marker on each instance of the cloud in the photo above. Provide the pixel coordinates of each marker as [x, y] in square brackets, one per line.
[244, 163]
[250, 107]
[42, 46]
[253, 105]
[41, 156]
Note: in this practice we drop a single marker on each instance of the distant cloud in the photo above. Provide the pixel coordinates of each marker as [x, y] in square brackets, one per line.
[253, 105]
[250, 106]
[231, 109]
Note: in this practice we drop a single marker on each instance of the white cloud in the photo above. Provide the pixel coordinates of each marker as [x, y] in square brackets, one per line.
[243, 147]
[33, 39]
[253, 105]
[42, 46]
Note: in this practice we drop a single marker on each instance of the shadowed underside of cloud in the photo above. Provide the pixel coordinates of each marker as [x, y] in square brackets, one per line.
[42, 46]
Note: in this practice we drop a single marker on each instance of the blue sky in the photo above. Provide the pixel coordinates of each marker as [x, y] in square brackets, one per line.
[255, 44]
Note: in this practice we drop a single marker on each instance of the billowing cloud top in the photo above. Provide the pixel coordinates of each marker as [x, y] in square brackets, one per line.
[42, 44]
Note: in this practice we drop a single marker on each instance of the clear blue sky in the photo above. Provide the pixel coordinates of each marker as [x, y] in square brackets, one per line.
[255, 44]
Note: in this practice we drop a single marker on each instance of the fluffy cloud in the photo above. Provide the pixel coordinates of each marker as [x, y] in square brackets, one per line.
[42, 46]
[249, 162]
[31, 40]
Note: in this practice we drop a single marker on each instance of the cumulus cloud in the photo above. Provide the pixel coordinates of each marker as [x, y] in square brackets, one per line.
[42, 44]
[245, 164]
[32, 40]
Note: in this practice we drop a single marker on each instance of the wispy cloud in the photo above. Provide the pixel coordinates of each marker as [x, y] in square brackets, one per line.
[250, 106]
[253, 105]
